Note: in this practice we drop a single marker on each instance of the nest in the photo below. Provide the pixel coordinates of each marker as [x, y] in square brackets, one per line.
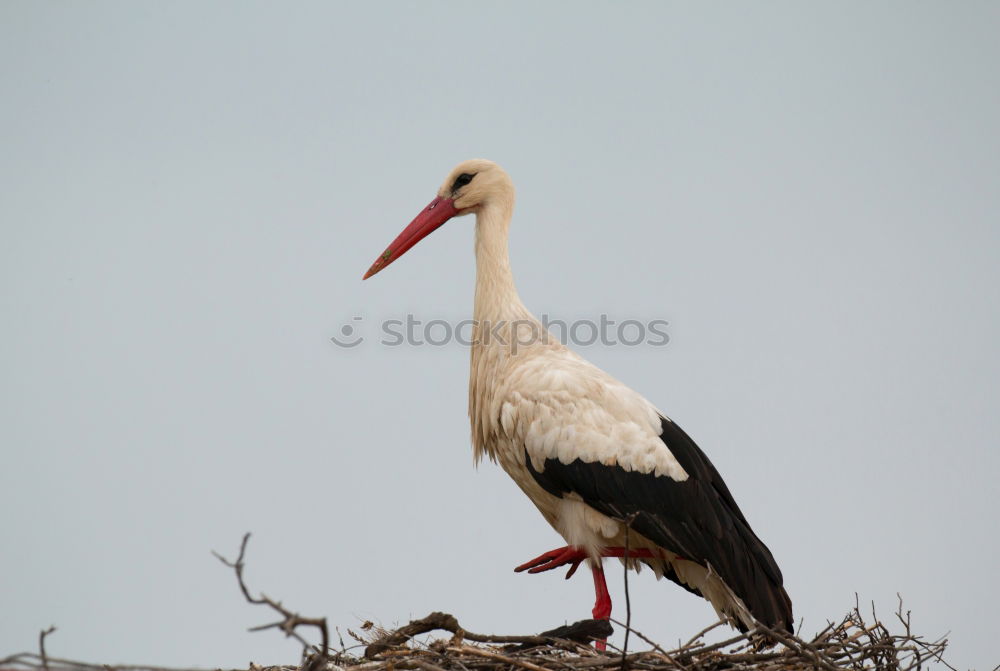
[852, 644]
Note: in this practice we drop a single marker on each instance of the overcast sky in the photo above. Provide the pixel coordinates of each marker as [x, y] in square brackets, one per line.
[808, 193]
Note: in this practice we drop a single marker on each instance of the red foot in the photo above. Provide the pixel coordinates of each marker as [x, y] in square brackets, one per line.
[573, 557]
[554, 559]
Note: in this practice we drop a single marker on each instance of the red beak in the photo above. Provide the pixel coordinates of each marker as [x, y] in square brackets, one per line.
[431, 217]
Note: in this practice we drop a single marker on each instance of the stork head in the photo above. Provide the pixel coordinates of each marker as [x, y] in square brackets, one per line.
[470, 186]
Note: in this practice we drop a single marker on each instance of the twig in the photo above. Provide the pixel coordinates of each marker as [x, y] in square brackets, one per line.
[289, 622]
[628, 598]
[479, 652]
[426, 666]
[41, 646]
[653, 643]
[704, 631]
[582, 631]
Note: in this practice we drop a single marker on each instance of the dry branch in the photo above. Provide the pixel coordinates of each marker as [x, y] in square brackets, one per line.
[579, 632]
[41, 646]
[289, 621]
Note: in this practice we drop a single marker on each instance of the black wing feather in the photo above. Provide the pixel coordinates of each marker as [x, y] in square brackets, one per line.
[697, 519]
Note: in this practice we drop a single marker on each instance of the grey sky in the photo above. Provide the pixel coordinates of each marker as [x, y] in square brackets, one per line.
[807, 192]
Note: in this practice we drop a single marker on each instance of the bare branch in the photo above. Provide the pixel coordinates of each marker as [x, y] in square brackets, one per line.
[290, 621]
[583, 631]
[41, 646]
[628, 598]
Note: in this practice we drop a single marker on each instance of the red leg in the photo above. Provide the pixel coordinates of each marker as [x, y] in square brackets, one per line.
[602, 604]
[573, 557]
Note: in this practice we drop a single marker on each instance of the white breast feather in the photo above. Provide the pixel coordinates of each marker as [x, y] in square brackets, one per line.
[559, 406]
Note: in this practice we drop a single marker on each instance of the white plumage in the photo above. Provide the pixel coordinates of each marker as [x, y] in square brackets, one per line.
[593, 455]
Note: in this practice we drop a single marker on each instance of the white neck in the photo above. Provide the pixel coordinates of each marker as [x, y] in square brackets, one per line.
[497, 308]
[496, 295]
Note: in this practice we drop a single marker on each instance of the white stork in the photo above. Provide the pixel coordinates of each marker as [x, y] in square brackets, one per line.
[594, 456]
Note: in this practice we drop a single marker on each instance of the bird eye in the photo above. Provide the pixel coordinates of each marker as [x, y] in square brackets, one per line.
[462, 180]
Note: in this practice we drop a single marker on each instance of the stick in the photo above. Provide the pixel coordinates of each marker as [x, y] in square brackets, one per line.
[41, 646]
[290, 621]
